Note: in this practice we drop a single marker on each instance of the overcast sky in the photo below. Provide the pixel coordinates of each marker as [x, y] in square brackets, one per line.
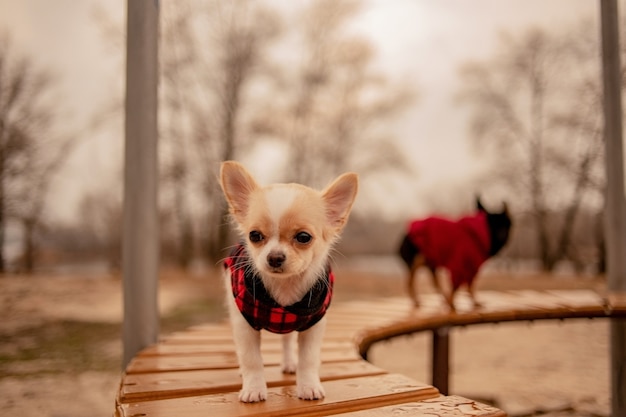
[420, 42]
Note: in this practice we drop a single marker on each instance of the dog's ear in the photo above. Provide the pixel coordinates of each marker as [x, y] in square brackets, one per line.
[339, 197]
[237, 184]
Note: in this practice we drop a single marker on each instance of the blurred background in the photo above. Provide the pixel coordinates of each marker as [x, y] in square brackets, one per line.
[432, 103]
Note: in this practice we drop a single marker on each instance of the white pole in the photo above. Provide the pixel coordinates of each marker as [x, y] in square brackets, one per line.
[140, 249]
[615, 222]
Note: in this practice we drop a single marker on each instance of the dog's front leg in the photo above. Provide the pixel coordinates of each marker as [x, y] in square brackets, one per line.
[417, 263]
[248, 345]
[472, 293]
[308, 382]
[449, 298]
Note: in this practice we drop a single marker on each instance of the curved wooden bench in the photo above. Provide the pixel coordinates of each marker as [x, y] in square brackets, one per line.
[194, 373]
[397, 319]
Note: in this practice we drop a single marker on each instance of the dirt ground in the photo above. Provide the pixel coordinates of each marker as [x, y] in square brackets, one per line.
[60, 345]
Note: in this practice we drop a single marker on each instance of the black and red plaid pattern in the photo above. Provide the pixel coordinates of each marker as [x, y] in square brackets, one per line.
[261, 311]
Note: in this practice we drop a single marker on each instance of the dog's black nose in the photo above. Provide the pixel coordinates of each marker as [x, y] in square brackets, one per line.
[276, 259]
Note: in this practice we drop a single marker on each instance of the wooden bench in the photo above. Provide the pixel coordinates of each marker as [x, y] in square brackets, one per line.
[194, 373]
[397, 319]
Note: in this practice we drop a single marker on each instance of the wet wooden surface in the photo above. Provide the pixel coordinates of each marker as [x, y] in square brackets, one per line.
[194, 373]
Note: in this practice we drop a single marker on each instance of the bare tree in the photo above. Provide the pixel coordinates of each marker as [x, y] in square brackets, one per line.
[179, 59]
[321, 39]
[31, 150]
[578, 132]
[101, 217]
[244, 89]
[210, 52]
[241, 33]
[225, 82]
[331, 99]
[535, 105]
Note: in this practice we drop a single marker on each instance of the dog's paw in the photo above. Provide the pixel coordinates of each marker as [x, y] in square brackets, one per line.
[478, 305]
[289, 367]
[253, 394]
[311, 391]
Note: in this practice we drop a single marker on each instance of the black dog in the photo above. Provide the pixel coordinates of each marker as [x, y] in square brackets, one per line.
[460, 246]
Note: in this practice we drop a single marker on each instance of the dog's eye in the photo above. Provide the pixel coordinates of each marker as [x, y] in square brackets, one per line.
[303, 237]
[255, 236]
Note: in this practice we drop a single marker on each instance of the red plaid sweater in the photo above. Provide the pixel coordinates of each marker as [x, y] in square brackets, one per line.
[261, 311]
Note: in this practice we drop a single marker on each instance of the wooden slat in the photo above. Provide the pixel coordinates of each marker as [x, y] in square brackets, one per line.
[451, 406]
[195, 346]
[222, 360]
[616, 303]
[219, 332]
[194, 338]
[153, 386]
[498, 307]
[578, 302]
[164, 349]
[342, 396]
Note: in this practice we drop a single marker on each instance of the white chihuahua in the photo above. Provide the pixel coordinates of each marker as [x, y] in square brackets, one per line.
[278, 278]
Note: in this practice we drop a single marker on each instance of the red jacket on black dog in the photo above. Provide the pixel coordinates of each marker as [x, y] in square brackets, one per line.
[459, 246]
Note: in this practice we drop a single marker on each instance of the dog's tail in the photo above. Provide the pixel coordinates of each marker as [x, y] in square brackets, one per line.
[408, 251]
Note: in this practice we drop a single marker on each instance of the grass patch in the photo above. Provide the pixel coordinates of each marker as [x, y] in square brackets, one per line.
[193, 313]
[71, 346]
[59, 347]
